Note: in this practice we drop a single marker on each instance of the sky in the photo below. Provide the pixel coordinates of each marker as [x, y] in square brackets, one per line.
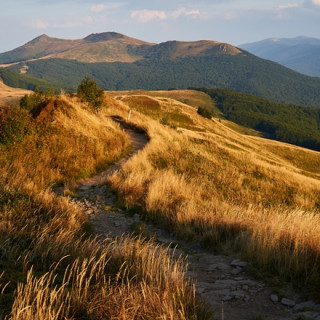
[232, 21]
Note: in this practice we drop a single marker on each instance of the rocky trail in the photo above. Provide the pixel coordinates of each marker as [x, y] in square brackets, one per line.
[221, 280]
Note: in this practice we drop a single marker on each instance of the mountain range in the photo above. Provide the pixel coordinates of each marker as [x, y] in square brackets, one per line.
[111, 47]
[301, 54]
[119, 62]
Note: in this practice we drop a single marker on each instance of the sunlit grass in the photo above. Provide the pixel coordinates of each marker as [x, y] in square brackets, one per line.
[52, 266]
[261, 195]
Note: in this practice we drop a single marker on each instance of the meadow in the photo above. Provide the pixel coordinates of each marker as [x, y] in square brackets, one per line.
[206, 180]
[52, 266]
[208, 183]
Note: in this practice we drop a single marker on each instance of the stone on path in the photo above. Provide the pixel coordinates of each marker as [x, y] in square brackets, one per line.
[288, 302]
[303, 305]
[239, 263]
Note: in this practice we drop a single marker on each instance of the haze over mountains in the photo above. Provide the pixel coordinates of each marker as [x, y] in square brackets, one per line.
[119, 62]
[301, 54]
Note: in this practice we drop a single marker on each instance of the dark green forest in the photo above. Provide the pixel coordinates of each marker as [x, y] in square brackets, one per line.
[283, 122]
[16, 80]
[243, 72]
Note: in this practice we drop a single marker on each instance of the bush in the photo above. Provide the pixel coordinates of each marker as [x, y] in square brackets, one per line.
[90, 92]
[205, 113]
[14, 123]
[35, 101]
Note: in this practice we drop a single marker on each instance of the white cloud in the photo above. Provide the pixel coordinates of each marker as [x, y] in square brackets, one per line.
[184, 12]
[87, 20]
[289, 6]
[148, 15]
[316, 2]
[98, 8]
[73, 22]
[39, 24]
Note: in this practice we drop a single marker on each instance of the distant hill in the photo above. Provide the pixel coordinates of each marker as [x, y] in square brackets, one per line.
[282, 122]
[9, 96]
[301, 54]
[111, 47]
[118, 62]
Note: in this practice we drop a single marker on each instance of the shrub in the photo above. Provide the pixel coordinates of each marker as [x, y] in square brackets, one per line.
[90, 92]
[205, 113]
[14, 123]
[32, 102]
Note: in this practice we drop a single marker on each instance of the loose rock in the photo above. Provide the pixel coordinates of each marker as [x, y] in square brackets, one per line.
[288, 302]
[301, 306]
[239, 263]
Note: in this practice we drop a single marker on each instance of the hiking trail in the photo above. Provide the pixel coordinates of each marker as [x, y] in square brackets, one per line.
[221, 280]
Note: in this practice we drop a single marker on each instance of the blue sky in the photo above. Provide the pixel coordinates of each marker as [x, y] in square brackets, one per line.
[232, 21]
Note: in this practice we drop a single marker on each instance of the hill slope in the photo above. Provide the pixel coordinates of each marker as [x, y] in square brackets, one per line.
[242, 72]
[301, 54]
[301, 126]
[10, 95]
[211, 184]
[198, 178]
[103, 47]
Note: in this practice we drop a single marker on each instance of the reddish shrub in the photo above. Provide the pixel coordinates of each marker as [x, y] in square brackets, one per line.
[14, 123]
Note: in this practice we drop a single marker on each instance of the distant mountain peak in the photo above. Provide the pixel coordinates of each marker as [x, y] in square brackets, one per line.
[104, 36]
[301, 53]
[113, 47]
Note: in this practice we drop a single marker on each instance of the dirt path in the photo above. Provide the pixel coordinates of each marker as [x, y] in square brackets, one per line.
[222, 281]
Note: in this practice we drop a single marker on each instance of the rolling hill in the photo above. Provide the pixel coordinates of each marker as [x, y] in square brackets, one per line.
[103, 47]
[208, 184]
[118, 62]
[111, 47]
[10, 95]
[301, 54]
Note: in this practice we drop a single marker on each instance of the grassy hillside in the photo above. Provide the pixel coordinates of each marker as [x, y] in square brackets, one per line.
[242, 72]
[11, 96]
[112, 47]
[196, 177]
[287, 123]
[51, 266]
[101, 47]
[216, 186]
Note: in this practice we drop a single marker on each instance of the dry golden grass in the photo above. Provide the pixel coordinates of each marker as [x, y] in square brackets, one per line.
[219, 185]
[52, 268]
[120, 279]
[10, 96]
[189, 97]
[75, 144]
